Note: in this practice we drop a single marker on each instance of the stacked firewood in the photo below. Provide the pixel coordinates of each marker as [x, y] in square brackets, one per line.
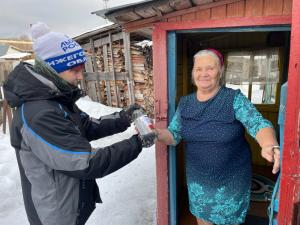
[143, 76]
[118, 98]
[141, 59]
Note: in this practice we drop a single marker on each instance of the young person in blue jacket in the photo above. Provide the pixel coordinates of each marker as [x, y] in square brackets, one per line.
[51, 135]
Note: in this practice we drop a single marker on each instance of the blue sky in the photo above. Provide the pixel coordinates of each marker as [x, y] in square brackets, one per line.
[71, 17]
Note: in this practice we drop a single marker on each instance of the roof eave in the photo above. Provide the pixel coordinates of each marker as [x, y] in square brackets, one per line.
[105, 13]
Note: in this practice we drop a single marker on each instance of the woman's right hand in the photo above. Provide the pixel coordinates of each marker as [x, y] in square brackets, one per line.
[272, 154]
[164, 136]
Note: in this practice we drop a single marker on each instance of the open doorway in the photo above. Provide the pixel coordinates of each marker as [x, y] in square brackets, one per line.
[256, 63]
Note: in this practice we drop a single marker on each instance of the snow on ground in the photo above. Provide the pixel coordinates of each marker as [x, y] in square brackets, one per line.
[128, 195]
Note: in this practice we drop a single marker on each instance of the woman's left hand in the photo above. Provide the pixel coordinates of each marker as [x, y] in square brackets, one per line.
[272, 154]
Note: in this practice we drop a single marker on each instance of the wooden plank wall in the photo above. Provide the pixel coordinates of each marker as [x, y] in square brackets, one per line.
[243, 8]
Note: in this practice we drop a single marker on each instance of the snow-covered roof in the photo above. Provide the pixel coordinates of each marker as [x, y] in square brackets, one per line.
[144, 43]
[30, 61]
[18, 55]
[99, 27]
[102, 28]
[103, 12]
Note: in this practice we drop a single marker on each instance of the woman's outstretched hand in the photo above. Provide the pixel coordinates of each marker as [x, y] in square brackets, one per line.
[272, 154]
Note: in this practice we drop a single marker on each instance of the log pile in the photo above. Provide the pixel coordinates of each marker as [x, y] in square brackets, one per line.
[141, 59]
[143, 76]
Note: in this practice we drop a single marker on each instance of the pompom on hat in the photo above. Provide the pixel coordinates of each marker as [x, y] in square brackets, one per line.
[56, 49]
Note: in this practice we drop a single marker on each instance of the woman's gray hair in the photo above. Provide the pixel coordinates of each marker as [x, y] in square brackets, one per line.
[206, 52]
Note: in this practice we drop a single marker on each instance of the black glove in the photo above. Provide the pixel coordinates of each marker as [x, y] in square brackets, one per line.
[129, 111]
[147, 140]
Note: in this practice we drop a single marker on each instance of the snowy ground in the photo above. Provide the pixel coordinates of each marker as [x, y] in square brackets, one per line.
[129, 195]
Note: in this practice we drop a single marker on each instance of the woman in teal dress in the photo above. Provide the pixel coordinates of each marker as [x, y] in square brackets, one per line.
[212, 123]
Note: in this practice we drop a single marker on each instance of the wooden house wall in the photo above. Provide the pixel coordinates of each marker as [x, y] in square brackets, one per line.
[244, 8]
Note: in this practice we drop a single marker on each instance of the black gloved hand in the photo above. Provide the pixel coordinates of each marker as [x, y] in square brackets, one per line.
[129, 111]
[147, 140]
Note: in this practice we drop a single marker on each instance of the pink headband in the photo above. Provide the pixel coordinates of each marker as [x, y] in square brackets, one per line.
[217, 53]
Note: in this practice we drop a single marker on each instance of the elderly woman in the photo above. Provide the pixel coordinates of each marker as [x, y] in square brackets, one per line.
[218, 160]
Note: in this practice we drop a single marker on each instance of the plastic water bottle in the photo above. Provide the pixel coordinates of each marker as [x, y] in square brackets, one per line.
[143, 123]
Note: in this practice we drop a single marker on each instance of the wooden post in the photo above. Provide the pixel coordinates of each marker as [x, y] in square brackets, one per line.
[160, 89]
[113, 69]
[4, 116]
[6, 109]
[128, 66]
[95, 68]
[88, 69]
[106, 68]
[6, 113]
[83, 86]
[3, 110]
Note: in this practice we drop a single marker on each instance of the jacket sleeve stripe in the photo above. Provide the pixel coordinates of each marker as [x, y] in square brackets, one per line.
[65, 113]
[47, 143]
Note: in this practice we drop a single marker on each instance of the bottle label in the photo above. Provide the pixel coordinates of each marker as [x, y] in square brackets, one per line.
[144, 125]
[147, 121]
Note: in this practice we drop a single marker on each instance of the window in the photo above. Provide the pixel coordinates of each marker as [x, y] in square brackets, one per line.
[255, 73]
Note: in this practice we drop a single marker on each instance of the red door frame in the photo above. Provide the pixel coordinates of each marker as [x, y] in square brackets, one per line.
[159, 37]
[290, 180]
[161, 105]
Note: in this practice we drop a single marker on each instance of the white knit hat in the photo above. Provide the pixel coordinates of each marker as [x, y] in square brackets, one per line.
[58, 50]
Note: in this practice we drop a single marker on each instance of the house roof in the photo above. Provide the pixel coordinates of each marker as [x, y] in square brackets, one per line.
[5, 47]
[126, 13]
[96, 31]
[112, 28]
[153, 11]
[18, 55]
[20, 45]
[104, 12]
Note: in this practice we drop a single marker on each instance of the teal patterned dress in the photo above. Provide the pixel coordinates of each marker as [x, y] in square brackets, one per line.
[217, 156]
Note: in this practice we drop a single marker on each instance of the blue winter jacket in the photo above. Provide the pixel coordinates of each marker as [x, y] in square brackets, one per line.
[51, 137]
